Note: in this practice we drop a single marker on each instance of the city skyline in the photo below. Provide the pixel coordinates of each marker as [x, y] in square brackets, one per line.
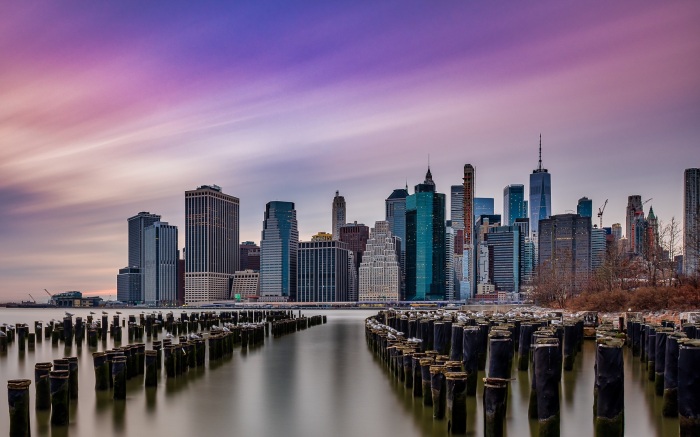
[99, 125]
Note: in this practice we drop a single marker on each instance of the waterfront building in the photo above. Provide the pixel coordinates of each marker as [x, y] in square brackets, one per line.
[395, 214]
[249, 256]
[278, 253]
[160, 264]
[691, 222]
[634, 217]
[246, 285]
[540, 195]
[211, 239]
[129, 285]
[598, 247]
[483, 206]
[565, 248]
[379, 275]
[527, 253]
[339, 214]
[322, 271]
[468, 285]
[353, 278]
[584, 208]
[504, 248]
[425, 242]
[513, 204]
[355, 235]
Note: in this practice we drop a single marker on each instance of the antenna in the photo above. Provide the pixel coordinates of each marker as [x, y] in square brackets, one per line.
[540, 166]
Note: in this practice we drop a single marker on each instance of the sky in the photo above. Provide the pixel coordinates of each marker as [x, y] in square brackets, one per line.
[111, 108]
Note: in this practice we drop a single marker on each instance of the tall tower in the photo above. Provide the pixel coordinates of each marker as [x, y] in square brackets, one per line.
[633, 216]
[160, 264]
[691, 223]
[278, 253]
[467, 288]
[425, 242]
[211, 240]
[540, 195]
[379, 277]
[513, 204]
[339, 214]
[130, 286]
[137, 224]
[584, 208]
[456, 207]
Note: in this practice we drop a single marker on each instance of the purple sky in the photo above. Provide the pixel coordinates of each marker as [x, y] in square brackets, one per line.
[110, 109]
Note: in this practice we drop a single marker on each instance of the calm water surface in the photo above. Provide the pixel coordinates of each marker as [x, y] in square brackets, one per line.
[320, 382]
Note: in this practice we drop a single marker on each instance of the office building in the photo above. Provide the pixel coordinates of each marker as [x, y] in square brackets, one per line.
[504, 249]
[617, 231]
[565, 249]
[467, 287]
[246, 285]
[527, 253]
[634, 217]
[691, 222]
[278, 253]
[540, 195]
[425, 242]
[322, 271]
[211, 240]
[339, 214]
[513, 204]
[137, 224]
[483, 206]
[456, 207]
[355, 235]
[598, 248]
[584, 208]
[249, 256]
[380, 275]
[449, 263]
[160, 264]
[129, 285]
[322, 236]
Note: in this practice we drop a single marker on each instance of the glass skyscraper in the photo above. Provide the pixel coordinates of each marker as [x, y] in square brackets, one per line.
[160, 264]
[457, 207]
[425, 243]
[540, 195]
[691, 222]
[322, 273]
[514, 205]
[483, 206]
[278, 252]
[584, 208]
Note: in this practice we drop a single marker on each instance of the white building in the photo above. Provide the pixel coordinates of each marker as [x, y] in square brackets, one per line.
[379, 270]
[246, 285]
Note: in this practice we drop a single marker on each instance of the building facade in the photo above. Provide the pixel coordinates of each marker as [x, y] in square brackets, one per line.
[278, 253]
[160, 264]
[249, 256]
[513, 204]
[128, 288]
[483, 206]
[540, 195]
[129, 285]
[598, 248]
[456, 207]
[246, 285]
[212, 244]
[691, 222]
[395, 215]
[322, 271]
[425, 242]
[380, 273]
[355, 236]
[634, 219]
[565, 249]
[467, 287]
[504, 246]
[584, 208]
[339, 214]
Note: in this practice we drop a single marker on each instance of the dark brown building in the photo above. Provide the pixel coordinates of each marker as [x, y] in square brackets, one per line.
[250, 256]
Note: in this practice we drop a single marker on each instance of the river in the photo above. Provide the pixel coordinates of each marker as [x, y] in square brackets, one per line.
[319, 382]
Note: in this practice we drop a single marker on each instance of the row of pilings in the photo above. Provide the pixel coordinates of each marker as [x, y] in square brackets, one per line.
[206, 336]
[438, 354]
[670, 353]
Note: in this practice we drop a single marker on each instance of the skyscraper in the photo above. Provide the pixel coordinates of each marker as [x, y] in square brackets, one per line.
[395, 206]
[513, 204]
[339, 214]
[565, 249]
[691, 222]
[160, 264]
[634, 218]
[456, 207]
[467, 288]
[540, 195]
[425, 242]
[483, 206]
[249, 256]
[322, 271]
[211, 240]
[355, 235]
[278, 253]
[584, 208]
[598, 248]
[379, 278]
[130, 279]
[449, 263]
[504, 246]
[617, 231]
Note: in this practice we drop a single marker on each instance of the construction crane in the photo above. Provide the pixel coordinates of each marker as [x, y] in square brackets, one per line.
[30, 295]
[646, 201]
[600, 213]
[51, 301]
[47, 292]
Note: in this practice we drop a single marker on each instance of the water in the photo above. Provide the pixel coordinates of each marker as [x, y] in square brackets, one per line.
[319, 382]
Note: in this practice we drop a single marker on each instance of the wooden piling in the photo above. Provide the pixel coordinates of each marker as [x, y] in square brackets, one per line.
[18, 403]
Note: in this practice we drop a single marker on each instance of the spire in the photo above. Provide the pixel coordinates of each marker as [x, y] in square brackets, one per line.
[652, 216]
[540, 166]
[429, 177]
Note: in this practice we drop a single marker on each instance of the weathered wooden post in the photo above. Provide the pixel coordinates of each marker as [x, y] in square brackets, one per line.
[610, 393]
[102, 374]
[548, 376]
[18, 403]
[151, 368]
[59, 397]
[43, 386]
[689, 387]
[72, 377]
[471, 350]
[456, 402]
[670, 404]
[495, 395]
[660, 360]
[438, 389]
[119, 376]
